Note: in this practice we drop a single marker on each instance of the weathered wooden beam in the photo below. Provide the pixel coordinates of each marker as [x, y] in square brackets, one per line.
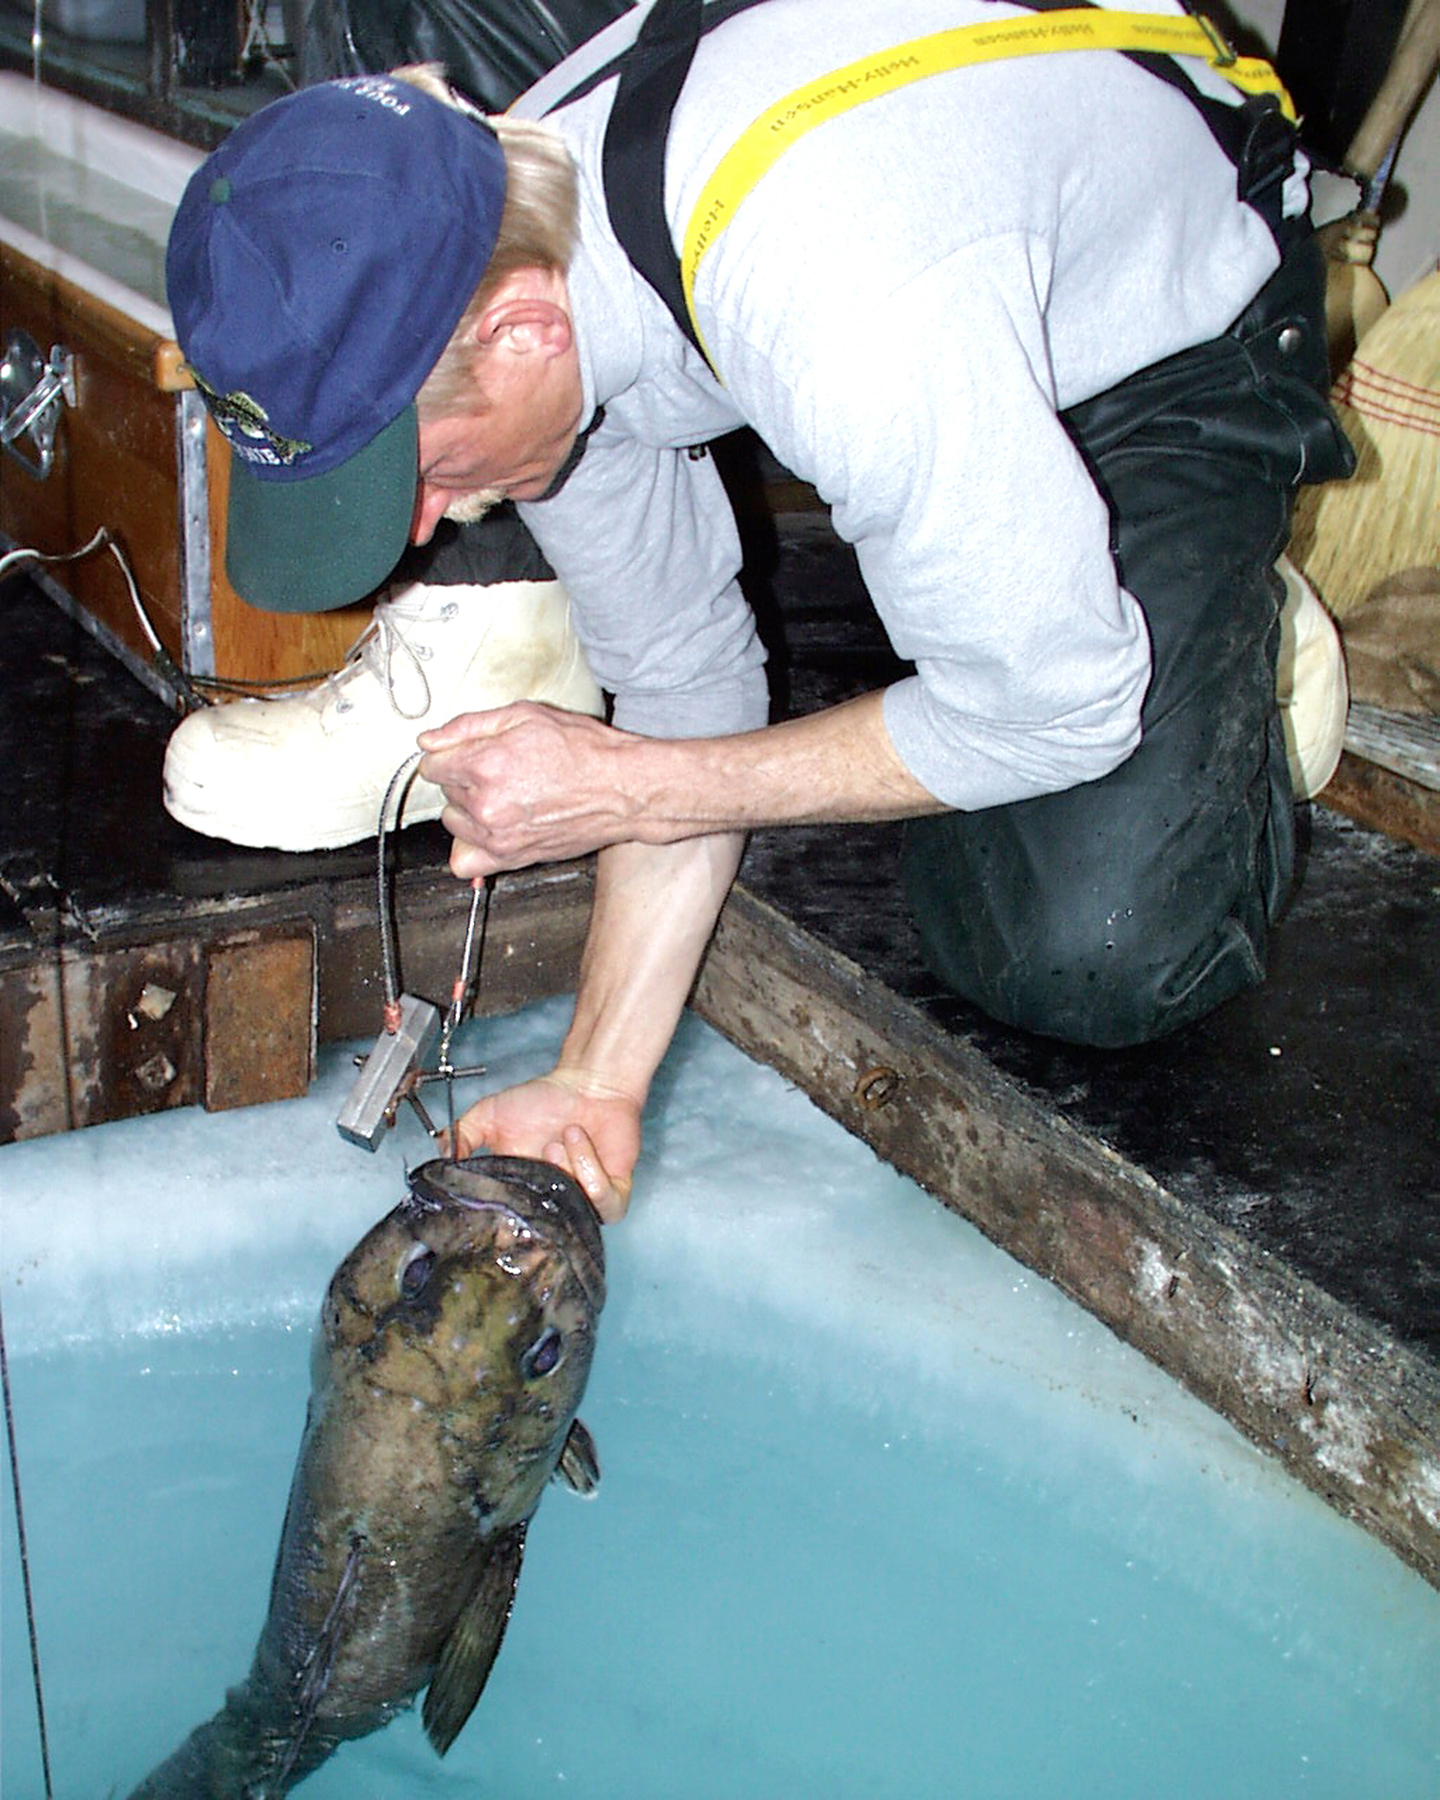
[1383, 800]
[223, 1002]
[92, 1032]
[258, 1026]
[1347, 1409]
[534, 932]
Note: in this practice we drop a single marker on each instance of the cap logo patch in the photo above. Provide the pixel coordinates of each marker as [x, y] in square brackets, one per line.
[246, 426]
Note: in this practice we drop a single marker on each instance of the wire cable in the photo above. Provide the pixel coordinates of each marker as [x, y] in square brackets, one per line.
[401, 780]
[24, 1562]
[103, 539]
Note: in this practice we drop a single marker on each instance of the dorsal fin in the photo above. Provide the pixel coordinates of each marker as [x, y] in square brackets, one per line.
[316, 1671]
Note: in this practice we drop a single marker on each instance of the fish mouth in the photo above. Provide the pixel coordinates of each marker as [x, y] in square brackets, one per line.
[537, 1196]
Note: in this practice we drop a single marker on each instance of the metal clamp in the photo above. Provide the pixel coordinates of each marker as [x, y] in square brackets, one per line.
[1225, 54]
[31, 393]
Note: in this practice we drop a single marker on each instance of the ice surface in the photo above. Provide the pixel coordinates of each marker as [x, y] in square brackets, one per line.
[882, 1514]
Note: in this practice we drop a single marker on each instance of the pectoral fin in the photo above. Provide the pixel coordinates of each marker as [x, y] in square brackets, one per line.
[470, 1649]
[579, 1465]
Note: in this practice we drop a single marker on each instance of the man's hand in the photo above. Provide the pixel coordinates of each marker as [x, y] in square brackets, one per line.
[528, 783]
[592, 1135]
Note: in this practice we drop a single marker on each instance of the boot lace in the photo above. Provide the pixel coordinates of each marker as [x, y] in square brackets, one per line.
[375, 650]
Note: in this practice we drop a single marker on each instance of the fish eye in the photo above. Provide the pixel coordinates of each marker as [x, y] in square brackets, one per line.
[543, 1356]
[414, 1272]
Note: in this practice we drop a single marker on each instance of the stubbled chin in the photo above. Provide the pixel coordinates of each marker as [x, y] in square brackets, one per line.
[466, 509]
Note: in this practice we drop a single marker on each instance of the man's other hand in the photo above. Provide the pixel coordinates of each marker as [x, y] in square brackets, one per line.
[593, 1135]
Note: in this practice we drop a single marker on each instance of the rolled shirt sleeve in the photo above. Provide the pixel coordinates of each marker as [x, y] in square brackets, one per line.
[983, 541]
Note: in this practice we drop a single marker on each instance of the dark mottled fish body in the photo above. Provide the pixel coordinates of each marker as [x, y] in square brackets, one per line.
[453, 1349]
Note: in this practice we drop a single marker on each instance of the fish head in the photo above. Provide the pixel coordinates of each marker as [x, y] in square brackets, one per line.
[471, 1310]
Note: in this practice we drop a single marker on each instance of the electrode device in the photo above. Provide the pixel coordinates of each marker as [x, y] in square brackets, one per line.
[395, 1069]
[389, 1075]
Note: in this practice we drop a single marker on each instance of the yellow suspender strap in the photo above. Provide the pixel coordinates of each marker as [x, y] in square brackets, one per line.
[767, 137]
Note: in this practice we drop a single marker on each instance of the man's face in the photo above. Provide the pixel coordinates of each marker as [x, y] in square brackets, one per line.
[511, 446]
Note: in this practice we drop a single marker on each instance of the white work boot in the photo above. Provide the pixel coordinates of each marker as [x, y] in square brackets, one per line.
[1310, 685]
[310, 771]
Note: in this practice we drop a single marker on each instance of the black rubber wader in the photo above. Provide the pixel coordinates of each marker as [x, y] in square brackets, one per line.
[1117, 911]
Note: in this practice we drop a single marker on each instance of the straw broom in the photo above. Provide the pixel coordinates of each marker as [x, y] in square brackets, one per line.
[1349, 536]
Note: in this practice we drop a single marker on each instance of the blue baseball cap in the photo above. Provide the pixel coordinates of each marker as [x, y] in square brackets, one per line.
[318, 263]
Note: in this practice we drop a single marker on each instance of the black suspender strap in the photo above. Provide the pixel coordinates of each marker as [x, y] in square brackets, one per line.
[652, 72]
[633, 156]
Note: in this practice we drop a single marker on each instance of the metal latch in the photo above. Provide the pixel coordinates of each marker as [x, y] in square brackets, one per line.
[31, 393]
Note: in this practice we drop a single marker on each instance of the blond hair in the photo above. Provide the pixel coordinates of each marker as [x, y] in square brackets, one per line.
[537, 229]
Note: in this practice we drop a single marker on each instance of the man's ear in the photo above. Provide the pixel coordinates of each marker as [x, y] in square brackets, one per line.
[529, 315]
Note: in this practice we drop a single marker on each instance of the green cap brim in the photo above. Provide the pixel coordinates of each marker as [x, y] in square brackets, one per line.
[329, 540]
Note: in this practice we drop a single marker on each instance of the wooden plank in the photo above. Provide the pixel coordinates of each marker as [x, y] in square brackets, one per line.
[1348, 1410]
[115, 459]
[1406, 744]
[34, 1086]
[1383, 801]
[88, 1036]
[224, 1001]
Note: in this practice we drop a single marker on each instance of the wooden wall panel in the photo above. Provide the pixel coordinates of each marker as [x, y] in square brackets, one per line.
[116, 464]
[114, 457]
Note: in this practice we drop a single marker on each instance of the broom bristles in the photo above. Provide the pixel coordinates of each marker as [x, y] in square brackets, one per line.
[1349, 536]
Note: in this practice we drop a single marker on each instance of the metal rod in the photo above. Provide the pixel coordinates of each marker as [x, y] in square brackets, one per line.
[417, 1106]
[479, 917]
[468, 1072]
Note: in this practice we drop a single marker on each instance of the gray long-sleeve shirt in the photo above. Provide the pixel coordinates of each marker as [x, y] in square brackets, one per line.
[901, 309]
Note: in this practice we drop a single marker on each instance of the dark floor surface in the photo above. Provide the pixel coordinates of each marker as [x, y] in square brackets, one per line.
[1303, 1115]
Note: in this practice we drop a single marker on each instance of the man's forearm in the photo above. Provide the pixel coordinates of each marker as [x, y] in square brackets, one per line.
[656, 901]
[655, 909]
[528, 783]
[836, 766]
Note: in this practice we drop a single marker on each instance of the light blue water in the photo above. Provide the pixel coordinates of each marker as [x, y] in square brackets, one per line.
[881, 1514]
